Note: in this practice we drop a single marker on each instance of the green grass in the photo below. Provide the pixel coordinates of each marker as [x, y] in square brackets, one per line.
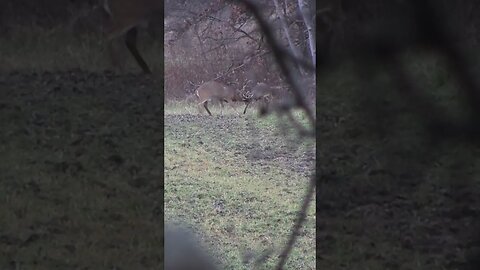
[80, 175]
[239, 182]
[191, 107]
[38, 49]
[391, 198]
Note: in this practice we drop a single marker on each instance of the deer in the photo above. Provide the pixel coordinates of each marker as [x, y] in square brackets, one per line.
[262, 92]
[212, 90]
[125, 16]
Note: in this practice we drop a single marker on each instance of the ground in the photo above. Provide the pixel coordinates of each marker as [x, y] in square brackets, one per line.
[80, 171]
[238, 180]
[392, 194]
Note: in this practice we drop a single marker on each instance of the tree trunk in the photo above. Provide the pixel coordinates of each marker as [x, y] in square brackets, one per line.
[283, 22]
[307, 11]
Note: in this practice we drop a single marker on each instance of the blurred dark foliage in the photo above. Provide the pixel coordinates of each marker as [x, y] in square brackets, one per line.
[374, 35]
[41, 13]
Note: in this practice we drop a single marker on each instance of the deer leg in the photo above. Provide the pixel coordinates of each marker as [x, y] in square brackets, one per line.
[221, 104]
[131, 42]
[206, 108]
[247, 103]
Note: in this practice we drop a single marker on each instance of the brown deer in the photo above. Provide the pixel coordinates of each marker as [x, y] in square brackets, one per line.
[125, 16]
[261, 92]
[215, 91]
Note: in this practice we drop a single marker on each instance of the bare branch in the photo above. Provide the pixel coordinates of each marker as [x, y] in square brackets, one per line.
[289, 73]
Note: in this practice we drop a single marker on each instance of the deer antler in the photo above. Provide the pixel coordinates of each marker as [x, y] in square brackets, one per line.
[245, 85]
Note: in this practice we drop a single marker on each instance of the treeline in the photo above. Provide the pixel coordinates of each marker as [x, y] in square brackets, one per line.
[341, 22]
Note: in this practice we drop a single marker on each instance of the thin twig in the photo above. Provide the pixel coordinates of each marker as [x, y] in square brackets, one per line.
[289, 73]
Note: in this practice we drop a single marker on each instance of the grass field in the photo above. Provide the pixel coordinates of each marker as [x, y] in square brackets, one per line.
[80, 171]
[238, 180]
[393, 195]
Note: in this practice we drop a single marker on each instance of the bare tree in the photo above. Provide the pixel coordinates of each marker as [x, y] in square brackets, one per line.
[293, 48]
[307, 10]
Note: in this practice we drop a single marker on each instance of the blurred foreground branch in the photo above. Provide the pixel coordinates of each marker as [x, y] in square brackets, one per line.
[299, 92]
[291, 75]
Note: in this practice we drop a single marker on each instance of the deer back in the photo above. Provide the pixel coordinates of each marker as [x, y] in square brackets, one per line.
[215, 90]
[125, 14]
